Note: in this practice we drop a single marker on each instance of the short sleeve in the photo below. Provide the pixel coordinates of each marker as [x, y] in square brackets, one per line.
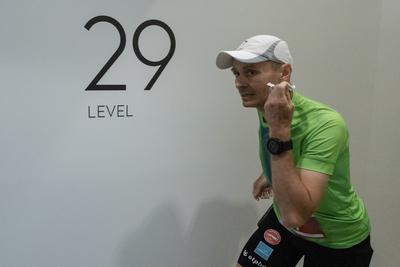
[323, 145]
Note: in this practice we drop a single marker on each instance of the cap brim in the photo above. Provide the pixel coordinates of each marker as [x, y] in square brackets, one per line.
[225, 58]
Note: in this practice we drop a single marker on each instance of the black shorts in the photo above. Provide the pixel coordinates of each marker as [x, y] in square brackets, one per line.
[272, 245]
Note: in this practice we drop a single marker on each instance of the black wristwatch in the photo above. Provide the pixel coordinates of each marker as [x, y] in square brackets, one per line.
[276, 146]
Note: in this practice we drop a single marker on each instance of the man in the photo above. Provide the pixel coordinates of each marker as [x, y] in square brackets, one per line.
[304, 152]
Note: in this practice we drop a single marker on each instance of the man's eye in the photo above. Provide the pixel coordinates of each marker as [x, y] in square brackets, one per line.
[250, 72]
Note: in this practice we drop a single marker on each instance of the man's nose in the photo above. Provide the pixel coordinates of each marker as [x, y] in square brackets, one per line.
[240, 82]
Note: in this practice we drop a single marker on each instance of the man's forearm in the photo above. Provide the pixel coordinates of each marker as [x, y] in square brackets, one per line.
[290, 194]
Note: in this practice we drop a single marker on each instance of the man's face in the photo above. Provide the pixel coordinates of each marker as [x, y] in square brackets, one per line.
[251, 81]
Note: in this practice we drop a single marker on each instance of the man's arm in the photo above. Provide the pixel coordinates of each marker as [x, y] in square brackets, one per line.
[297, 192]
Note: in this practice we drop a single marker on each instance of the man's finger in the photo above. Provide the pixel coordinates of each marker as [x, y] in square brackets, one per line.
[265, 195]
[256, 192]
[287, 94]
[279, 91]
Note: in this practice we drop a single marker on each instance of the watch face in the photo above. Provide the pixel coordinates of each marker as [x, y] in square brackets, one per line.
[274, 146]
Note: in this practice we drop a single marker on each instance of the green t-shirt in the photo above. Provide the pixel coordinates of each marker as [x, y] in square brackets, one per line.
[321, 143]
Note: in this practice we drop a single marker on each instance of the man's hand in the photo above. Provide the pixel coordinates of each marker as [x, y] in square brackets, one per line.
[261, 189]
[279, 110]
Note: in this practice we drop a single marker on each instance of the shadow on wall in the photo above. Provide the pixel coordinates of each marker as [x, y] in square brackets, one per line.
[212, 241]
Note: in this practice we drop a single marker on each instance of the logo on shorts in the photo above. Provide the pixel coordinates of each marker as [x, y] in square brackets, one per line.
[254, 261]
[272, 237]
[263, 250]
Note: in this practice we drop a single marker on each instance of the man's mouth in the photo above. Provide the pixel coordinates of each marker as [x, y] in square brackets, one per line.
[247, 94]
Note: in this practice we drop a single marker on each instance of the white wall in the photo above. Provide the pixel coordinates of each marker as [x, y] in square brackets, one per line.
[171, 185]
[382, 177]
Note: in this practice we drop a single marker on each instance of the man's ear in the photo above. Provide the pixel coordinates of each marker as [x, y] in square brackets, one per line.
[286, 72]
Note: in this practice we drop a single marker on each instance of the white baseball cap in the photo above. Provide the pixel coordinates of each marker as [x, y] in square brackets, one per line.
[257, 49]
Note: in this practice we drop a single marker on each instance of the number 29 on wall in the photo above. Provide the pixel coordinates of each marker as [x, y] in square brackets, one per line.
[94, 86]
